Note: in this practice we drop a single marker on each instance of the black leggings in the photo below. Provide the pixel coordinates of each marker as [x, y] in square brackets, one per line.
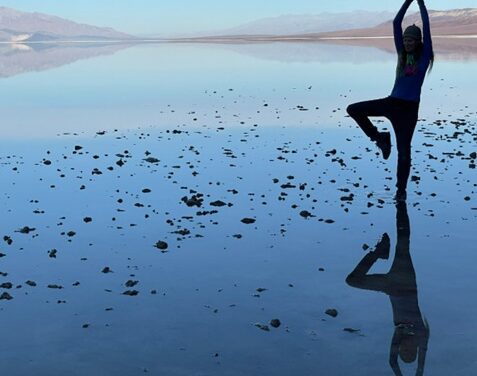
[403, 116]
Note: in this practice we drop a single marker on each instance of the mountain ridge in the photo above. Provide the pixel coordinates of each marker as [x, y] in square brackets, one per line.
[457, 22]
[291, 24]
[18, 26]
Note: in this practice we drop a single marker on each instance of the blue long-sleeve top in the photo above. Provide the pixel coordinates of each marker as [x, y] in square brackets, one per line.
[409, 80]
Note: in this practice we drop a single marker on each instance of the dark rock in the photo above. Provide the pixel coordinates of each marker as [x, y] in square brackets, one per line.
[331, 312]
[6, 296]
[25, 230]
[275, 323]
[306, 214]
[161, 245]
[131, 292]
[218, 203]
[248, 221]
[59, 287]
[351, 330]
[151, 160]
[262, 327]
[131, 283]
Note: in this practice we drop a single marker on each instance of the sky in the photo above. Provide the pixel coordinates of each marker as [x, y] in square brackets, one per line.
[148, 17]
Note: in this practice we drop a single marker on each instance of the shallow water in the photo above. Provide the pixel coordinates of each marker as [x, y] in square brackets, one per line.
[224, 123]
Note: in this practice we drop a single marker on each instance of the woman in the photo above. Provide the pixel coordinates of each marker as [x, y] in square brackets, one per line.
[415, 58]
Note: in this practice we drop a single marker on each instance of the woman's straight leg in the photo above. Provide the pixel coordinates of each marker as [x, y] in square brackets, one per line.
[404, 124]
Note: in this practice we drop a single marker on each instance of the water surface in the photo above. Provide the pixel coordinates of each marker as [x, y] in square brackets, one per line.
[267, 136]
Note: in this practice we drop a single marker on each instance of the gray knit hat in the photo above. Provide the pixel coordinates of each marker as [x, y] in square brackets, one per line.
[413, 32]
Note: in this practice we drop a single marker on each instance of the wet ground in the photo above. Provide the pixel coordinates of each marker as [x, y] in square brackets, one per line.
[221, 243]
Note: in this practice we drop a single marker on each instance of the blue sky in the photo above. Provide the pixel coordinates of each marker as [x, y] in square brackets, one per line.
[169, 16]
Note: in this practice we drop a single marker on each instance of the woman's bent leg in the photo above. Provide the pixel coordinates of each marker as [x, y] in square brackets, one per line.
[361, 111]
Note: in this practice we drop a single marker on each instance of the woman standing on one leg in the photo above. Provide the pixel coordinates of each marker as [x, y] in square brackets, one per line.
[415, 57]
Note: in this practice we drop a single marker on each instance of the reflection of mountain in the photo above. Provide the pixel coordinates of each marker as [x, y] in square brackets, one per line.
[347, 50]
[306, 52]
[22, 58]
[24, 26]
[445, 48]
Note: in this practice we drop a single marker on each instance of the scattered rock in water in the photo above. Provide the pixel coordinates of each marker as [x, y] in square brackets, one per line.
[218, 203]
[6, 285]
[351, 330]
[306, 214]
[131, 283]
[195, 200]
[25, 230]
[87, 219]
[151, 160]
[53, 286]
[331, 312]
[248, 221]
[106, 269]
[262, 327]
[52, 253]
[6, 296]
[275, 323]
[161, 245]
[131, 292]
[31, 283]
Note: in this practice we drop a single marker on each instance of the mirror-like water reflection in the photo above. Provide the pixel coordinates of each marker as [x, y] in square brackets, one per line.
[232, 136]
[411, 330]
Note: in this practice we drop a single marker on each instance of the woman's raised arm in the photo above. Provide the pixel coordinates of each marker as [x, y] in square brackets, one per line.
[427, 39]
[397, 25]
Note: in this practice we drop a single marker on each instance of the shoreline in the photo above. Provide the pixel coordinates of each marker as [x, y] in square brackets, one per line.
[224, 39]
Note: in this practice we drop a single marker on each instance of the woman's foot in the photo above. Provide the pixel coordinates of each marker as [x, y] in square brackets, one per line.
[383, 141]
[382, 248]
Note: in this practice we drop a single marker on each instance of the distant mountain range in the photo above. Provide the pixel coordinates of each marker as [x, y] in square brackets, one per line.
[305, 24]
[456, 22]
[449, 22]
[24, 27]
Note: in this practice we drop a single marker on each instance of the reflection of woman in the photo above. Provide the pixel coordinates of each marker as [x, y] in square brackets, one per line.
[415, 56]
[411, 332]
